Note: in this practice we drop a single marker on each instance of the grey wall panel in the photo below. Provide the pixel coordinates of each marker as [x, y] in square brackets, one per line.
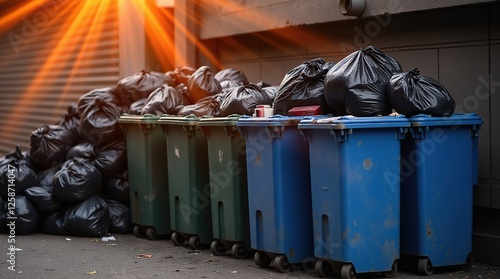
[272, 71]
[494, 21]
[461, 71]
[495, 111]
[426, 60]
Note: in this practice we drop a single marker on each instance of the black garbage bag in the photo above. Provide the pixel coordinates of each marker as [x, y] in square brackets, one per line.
[49, 145]
[45, 177]
[3, 216]
[88, 218]
[412, 93]
[25, 214]
[139, 86]
[264, 84]
[54, 223]
[271, 91]
[16, 175]
[304, 85]
[229, 84]
[71, 121]
[231, 74]
[136, 107]
[182, 74]
[117, 187]
[164, 100]
[243, 100]
[120, 219]
[107, 94]
[111, 159]
[44, 200]
[357, 84]
[84, 149]
[99, 123]
[182, 89]
[209, 106]
[76, 181]
[202, 83]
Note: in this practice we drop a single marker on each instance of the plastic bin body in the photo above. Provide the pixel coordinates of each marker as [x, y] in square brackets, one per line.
[228, 179]
[279, 195]
[188, 178]
[147, 170]
[438, 171]
[355, 188]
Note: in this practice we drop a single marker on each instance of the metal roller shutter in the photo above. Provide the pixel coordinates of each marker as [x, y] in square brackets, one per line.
[58, 52]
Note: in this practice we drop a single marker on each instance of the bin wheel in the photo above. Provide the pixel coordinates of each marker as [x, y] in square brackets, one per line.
[393, 271]
[468, 263]
[177, 239]
[425, 266]
[217, 248]
[195, 243]
[239, 250]
[323, 268]
[151, 233]
[138, 232]
[261, 259]
[348, 272]
[281, 264]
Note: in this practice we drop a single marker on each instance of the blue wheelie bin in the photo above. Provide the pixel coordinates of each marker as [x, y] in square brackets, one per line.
[355, 187]
[439, 164]
[188, 179]
[148, 178]
[279, 196]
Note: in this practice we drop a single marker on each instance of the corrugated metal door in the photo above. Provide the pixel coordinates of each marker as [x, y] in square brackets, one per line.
[58, 52]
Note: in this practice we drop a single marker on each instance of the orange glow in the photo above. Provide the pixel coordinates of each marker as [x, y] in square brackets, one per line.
[14, 15]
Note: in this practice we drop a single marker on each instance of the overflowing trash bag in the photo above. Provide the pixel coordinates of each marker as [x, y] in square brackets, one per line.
[49, 145]
[107, 94]
[243, 100]
[84, 149]
[411, 93]
[3, 216]
[357, 84]
[25, 215]
[202, 83]
[117, 187]
[139, 86]
[120, 217]
[181, 74]
[16, 173]
[45, 177]
[111, 159]
[231, 74]
[182, 90]
[44, 201]
[136, 107]
[99, 122]
[209, 106]
[164, 100]
[76, 181]
[71, 121]
[88, 218]
[303, 86]
[54, 223]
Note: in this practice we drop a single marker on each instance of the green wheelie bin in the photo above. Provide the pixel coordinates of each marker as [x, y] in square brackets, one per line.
[228, 186]
[148, 180]
[188, 180]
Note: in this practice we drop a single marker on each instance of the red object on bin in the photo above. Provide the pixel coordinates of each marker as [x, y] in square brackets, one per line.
[305, 110]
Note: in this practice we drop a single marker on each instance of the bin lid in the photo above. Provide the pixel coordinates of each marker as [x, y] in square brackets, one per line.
[353, 122]
[188, 120]
[465, 119]
[230, 120]
[138, 119]
[272, 121]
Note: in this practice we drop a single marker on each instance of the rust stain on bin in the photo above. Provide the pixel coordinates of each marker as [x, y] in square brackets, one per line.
[292, 252]
[428, 230]
[367, 164]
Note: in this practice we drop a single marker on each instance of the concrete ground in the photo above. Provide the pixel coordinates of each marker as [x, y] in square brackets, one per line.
[50, 256]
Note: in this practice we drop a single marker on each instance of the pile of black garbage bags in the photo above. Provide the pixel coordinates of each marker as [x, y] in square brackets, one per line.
[74, 181]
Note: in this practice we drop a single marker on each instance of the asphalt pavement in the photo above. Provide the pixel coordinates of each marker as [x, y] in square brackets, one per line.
[51, 256]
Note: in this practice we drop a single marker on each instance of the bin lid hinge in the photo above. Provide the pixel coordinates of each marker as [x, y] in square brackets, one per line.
[475, 131]
[341, 135]
[232, 131]
[190, 130]
[275, 132]
[402, 133]
[147, 128]
[419, 132]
